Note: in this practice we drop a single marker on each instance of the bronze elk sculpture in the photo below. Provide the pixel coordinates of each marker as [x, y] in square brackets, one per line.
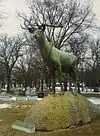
[57, 60]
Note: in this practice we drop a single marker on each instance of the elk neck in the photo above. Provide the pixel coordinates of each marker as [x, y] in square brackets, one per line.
[44, 45]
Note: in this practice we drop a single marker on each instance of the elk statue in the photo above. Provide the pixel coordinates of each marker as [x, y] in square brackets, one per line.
[63, 62]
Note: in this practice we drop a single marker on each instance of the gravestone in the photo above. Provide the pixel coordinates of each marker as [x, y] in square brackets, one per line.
[3, 93]
[16, 92]
[33, 91]
[23, 126]
[13, 98]
[32, 98]
[7, 99]
[28, 90]
[27, 93]
[20, 98]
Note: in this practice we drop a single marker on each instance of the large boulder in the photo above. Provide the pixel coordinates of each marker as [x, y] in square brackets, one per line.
[59, 112]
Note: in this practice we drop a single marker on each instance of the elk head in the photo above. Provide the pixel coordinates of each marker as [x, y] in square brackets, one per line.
[28, 25]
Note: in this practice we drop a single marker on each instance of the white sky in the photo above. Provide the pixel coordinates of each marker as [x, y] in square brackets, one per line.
[11, 25]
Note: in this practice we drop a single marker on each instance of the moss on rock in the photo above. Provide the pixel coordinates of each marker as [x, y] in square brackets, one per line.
[59, 112]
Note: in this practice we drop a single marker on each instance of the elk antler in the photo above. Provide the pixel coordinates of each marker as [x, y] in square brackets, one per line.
[43, 26]
[53, 25]
[28, 24]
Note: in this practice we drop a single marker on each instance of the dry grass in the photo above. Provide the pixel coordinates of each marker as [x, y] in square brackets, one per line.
[8, 116]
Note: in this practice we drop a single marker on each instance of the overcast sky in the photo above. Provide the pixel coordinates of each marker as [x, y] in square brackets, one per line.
[11, 25]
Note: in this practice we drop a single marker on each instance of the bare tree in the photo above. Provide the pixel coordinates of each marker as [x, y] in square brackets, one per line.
[70, 15]
[72, 18]
[94, 67]
[91, 68]
[95, 52]
[29, 67]
[10, 51]
[79, 45]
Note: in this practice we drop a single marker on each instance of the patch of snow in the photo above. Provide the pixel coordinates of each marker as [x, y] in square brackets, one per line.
[39, 99]
[94, 100]
[4, 105]
[13, 98]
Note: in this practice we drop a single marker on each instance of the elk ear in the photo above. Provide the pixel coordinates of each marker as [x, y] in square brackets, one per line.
[43, 27]
[30, 30]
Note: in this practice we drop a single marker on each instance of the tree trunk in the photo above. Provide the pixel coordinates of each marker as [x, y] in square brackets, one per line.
[41, 85]
[61, 85]
[43, 77]
[78, 87]
[54, 81]
[70, 85]
[65, 82]
[8, 82]
[25, 85]
[65, 86]
[50, 81]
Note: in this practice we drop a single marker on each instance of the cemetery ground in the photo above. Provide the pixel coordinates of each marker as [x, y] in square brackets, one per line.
[19, 110]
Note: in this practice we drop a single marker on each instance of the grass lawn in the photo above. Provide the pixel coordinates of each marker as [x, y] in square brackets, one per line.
[8, 116]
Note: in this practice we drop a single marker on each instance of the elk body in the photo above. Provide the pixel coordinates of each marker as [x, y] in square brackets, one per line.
[56, 59]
